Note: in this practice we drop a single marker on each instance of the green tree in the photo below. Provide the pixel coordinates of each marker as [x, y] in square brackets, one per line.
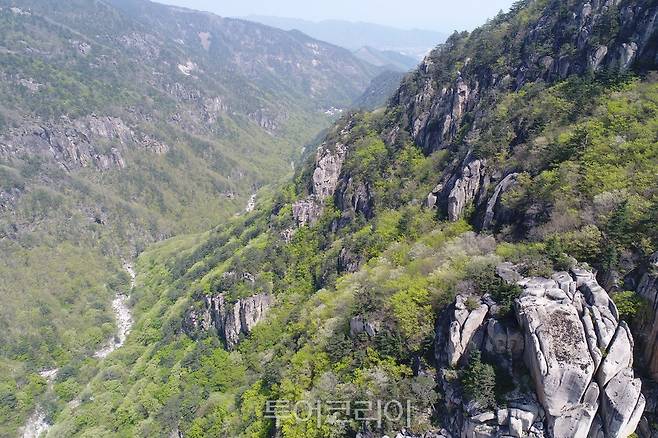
[479, 381]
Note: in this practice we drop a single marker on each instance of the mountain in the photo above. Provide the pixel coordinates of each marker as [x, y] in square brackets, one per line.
[380, 91]
[476, 259]
[386, 58]
[413, 43]
[123, 123]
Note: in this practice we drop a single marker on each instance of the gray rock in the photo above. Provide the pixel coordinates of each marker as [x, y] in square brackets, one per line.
[576, 421]
[483, 417]
[520, 422]
[503, 340]
[307, 211]
[619, 355]
[622, 404]
[568, 324]
[493, 205]
[328, 165]
[554, 346]
[507, 272]
[465, 328]
[465, 188]
[80, 143]
[597, 57]
[229, 319]
[359, 324]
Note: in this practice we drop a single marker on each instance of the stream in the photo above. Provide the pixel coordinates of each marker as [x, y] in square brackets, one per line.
[251, 204]
[36, 424]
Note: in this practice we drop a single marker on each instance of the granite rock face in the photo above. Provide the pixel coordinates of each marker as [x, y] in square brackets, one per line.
[230, 319]
[466, 327]
[465, 188]
[467, 183]
[579, 355]
[98, 142]
[436, 107]
[328, 166]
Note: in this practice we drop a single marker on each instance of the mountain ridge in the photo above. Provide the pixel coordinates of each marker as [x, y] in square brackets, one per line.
[355, 35]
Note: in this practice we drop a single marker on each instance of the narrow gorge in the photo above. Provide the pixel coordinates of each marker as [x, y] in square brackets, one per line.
[38, 424]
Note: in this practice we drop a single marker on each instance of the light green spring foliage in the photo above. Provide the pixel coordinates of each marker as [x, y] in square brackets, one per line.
[414, 265]
[590, 166]
[588, 163]
[63, 241]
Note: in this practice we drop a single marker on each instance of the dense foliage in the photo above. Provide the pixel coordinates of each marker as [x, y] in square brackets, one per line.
[304, 350]
[585, 150]
[66, 229]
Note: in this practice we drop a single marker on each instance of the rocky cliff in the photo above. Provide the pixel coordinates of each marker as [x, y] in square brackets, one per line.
[92, 141]
[328, 165]
[567, 333]
[581, 37]
[229, 319]
[444, 102]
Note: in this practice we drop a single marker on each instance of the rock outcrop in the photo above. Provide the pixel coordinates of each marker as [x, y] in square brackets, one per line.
[359, 324]
[466, 327]
[468, 182]
[328, 166]
[92, 141]
[230, 319]
[495, 211]
[580, 358]
[437, 106]
[579, 355]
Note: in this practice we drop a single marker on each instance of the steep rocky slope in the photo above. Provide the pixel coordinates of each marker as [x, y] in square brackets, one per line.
[471, 252]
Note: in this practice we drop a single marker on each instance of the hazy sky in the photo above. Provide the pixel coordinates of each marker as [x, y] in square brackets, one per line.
[443, 15]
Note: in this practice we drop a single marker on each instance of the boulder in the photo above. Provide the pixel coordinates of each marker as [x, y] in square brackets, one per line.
[579, 354]
[465, 188]
[622, 404]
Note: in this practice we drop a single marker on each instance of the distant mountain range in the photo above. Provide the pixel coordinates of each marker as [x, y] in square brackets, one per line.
[356, 35]
[387, 59]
